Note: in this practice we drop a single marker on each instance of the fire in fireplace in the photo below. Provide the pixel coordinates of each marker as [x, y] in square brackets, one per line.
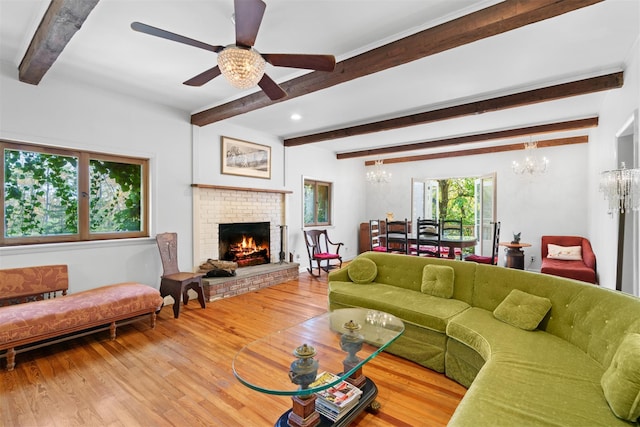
[247, 243]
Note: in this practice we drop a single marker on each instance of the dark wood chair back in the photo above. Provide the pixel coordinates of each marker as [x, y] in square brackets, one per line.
[397, 236]
[377, 236]
[496, 243]
[428, 238]
[168, 246]
[451, 228]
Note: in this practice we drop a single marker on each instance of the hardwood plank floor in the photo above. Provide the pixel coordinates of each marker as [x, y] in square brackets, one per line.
[179, 374]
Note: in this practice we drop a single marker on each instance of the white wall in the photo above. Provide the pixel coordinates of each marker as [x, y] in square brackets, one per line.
[618, 107]
[70, 114]
[552, 203]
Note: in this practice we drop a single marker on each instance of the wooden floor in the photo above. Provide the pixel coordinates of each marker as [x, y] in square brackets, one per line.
[179, 374]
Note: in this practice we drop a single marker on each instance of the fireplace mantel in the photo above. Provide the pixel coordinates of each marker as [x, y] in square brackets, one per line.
[257, 190]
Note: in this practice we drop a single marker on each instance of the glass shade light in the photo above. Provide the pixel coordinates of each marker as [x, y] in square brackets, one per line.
[531, 164]
[378, 175]
[242, 67]
[621, 188]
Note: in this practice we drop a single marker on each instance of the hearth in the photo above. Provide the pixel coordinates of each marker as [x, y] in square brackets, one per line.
[247, 243]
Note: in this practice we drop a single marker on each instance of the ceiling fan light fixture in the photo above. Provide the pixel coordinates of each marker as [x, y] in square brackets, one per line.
[242, 67]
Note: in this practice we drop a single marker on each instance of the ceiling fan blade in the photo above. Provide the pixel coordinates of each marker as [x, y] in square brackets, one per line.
[248, 16]
[271, 88]
[153, 31]
[294, 60]
[203, 78]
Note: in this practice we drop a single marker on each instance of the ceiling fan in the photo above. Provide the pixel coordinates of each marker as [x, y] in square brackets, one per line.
[240, 63]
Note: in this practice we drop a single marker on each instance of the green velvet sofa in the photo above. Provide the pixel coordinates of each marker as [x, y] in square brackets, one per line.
[532, 349]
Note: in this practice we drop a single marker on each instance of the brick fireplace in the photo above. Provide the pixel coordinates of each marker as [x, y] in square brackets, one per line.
[216, 205]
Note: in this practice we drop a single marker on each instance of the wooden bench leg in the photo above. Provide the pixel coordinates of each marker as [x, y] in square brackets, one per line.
[112, 330]
[11, 359]
[154, 316]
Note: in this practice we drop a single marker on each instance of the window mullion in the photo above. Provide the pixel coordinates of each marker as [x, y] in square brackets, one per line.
[83, 196]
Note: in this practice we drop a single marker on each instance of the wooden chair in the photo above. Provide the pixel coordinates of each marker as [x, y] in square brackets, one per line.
[376, 236]
[397, 236]
[493, 259]
[319, 249]
[427, 238]
[173, 282]
[452, 228]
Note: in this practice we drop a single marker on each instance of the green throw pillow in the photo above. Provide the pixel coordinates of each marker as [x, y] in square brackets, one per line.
[522, 310]
[362, 270]
[621, 381]
[437, 280]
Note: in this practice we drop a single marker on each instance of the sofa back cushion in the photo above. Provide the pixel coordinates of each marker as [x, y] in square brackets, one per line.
[405, 271]
[592, 318]
[18, 283]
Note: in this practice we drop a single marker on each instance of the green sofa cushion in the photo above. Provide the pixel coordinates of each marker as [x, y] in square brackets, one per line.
[437, 280]
[522, 310]
[621, 381]
[410, 306]
[362, 270]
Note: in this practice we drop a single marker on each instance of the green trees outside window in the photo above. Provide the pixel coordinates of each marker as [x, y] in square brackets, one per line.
[317, 203]
[54, 195]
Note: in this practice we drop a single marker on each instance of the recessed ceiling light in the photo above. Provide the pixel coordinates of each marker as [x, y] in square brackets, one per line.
[296, 116]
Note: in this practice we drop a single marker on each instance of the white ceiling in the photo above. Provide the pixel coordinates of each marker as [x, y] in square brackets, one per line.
[107, 53]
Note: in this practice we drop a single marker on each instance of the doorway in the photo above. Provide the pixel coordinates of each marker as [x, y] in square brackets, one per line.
[628, 262]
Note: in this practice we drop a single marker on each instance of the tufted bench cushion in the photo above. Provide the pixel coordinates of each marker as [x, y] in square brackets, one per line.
[44, 319]
[37, 321]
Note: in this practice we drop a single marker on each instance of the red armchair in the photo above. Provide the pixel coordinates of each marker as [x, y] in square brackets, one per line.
[584, 269]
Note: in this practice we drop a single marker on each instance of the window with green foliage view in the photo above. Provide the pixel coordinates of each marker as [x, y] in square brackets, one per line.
[55, 195]
[317, 203]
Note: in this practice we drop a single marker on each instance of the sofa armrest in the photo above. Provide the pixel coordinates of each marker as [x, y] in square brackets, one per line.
[340, 275]
[588, 256]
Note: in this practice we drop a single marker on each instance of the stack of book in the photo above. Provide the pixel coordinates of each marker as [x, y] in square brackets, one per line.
[335, 401]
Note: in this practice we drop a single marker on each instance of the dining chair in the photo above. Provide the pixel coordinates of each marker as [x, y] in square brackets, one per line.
[376, 236]
[452, 229]
[320, 248]
[173, 282]
[427, 238]
[397, 236]
[493, 259]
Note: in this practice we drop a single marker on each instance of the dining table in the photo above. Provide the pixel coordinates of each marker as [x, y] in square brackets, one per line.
[456, 242]
[452, 243]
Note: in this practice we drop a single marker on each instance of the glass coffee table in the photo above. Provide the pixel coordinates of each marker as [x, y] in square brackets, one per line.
[339, 342]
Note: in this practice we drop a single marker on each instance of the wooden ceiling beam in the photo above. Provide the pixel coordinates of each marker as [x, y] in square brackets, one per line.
[581, 139]
[488, 136]
[60, 22]
[520, 99]
[493, 20]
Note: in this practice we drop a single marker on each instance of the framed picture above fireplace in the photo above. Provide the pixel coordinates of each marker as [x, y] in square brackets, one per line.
[245, 158]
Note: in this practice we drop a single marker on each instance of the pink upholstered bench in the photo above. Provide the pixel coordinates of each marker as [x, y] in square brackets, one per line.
[47, 318]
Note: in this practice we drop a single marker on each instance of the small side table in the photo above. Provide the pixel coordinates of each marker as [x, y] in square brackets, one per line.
[514, 254]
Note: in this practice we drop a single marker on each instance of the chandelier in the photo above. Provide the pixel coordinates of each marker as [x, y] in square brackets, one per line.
[531, 165]
[379, 175]
[242, 67]
[621, 188]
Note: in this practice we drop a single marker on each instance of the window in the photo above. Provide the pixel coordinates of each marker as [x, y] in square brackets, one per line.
[317, 203]
[57, 195]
